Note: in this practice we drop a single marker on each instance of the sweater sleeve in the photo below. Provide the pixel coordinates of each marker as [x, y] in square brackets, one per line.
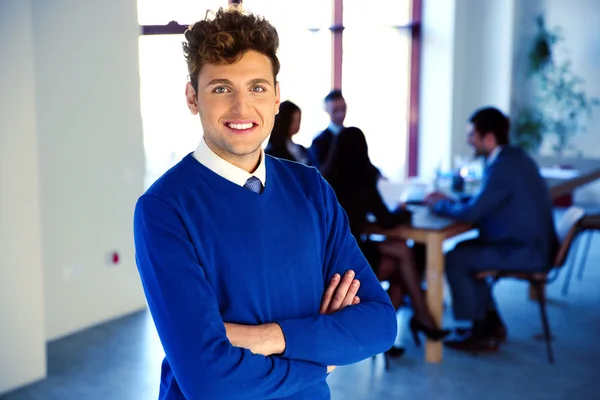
[186, 314]
[356, 332]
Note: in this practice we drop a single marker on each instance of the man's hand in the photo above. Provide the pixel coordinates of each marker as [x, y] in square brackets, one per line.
[265, 339]
[434, 197]
[268, 339]
[340, 293]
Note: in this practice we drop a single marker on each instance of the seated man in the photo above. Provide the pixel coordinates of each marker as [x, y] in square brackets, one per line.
[513, 213]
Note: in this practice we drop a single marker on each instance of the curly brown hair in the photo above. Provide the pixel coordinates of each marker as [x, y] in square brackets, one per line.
[225, 39]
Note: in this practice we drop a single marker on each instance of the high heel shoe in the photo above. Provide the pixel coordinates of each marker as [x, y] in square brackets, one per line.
[395, 352]
[434, 334]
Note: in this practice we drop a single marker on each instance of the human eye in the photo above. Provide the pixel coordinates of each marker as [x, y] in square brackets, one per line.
[220, 90]
[258, 89]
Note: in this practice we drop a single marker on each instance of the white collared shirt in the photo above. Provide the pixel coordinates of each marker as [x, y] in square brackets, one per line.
[219, 166]
[493, 155]
[335, 129]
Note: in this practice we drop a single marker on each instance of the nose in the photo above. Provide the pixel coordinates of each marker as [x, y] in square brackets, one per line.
[239, 104]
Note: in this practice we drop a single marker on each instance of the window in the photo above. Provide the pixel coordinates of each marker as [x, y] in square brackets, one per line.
[372, 47]
[293, 15]
[305, 57]
[376, 79]
[170, 130]
[161, 12]
[376, 92]
[362, 14]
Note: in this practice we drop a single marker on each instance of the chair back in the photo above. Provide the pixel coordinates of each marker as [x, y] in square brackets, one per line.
[591, 222]
[567, 229]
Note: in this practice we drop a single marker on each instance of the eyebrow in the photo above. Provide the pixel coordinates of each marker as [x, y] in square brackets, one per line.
[261, 81]
[228, 82]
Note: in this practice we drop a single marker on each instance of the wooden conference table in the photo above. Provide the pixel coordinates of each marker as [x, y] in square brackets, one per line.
[431, 230]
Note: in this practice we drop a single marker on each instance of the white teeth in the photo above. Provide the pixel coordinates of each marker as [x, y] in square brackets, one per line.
[240, 126]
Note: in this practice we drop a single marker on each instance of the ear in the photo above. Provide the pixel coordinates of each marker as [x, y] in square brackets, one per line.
[277, 98]
[489, 139]
[191, 98]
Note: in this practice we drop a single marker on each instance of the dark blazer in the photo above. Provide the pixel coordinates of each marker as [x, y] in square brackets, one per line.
[513, 213]
[319, 149]
[358, 201]
[284, 153]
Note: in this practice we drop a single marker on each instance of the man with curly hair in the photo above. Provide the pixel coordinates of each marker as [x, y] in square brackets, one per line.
[249, 268]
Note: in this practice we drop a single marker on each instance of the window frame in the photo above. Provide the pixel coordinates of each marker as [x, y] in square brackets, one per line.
[337, 31]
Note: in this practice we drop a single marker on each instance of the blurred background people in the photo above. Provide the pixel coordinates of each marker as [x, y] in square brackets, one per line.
[287, 124]
[354, 179]
[335, 106]
[513, 213]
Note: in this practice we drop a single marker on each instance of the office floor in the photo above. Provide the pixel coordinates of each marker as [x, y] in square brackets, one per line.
[120, 360]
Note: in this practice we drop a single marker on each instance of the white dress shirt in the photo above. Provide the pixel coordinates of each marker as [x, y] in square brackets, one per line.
[219, 166]
[335, 129]
[493, 155]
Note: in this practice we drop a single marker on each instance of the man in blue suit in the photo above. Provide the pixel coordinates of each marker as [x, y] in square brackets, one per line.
[335, 106]
[513, 213]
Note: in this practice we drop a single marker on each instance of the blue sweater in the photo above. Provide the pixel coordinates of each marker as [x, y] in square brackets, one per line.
[210, 251]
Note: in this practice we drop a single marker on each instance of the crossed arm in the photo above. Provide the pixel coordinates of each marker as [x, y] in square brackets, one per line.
[269, 361]
[268, 339]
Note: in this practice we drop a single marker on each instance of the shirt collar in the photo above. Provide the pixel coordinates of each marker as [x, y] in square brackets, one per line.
[335, 129]
[493, 155]
[215, 163]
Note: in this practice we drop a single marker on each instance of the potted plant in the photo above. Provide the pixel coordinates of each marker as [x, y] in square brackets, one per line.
[561, 106]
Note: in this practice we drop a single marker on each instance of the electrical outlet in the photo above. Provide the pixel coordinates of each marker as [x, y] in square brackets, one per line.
[113, 258]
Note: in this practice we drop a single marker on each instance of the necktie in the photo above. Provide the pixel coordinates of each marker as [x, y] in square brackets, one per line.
[253, 184]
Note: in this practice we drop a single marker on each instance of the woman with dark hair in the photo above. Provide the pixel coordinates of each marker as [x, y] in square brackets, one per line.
[287, 124]
[354, 179]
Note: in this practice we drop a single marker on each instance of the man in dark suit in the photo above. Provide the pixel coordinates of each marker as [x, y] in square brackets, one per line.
[335, 106]
[513, 213]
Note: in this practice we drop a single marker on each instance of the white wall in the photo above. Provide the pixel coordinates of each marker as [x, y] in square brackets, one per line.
[466, 64]
[483, 62]
[22, 344]
[582, 32]
[524, 32]
[91, 158]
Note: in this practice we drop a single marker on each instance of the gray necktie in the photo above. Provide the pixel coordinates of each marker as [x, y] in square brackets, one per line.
[253, 184]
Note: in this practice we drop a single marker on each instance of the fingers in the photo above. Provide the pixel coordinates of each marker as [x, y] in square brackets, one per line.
[340, 293]
[328, 295]
[351, 293]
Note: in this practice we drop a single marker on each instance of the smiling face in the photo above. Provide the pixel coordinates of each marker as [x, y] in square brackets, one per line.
[237, 104]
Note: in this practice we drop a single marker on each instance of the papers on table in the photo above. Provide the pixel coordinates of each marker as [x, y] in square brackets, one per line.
[558, 173]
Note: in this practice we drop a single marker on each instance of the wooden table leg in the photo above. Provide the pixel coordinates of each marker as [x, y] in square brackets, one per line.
[435, 290]
[533, 294]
